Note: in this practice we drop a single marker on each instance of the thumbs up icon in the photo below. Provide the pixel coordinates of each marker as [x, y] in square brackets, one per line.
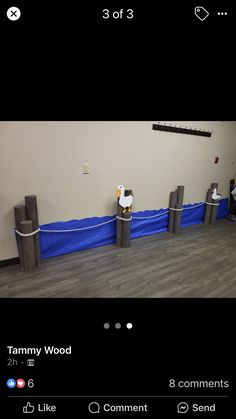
[29, 408]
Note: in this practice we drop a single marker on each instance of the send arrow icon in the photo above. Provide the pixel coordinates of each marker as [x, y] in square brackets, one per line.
[182, 407]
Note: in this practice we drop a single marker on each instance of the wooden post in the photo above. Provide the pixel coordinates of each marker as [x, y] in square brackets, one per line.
[128, 192]
[119, 224]
[214, 208]
[28, 246]
[32, 214]
[177, 219]
[178, 205]
[126, 224]
[123, 227]
[209, 199]
[232, 203]
[173, 200]
[126, 230]
[180, 195]
[20, 215]
[214, 211]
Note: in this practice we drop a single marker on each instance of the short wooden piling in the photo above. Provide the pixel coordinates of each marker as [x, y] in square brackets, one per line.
[32, 214]
[20, 215]
[28, 246]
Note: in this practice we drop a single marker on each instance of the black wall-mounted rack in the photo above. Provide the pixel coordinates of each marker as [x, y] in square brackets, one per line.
[181, 130]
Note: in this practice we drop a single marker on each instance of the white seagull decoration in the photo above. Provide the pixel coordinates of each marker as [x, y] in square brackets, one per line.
[215, 195]
[124, 201]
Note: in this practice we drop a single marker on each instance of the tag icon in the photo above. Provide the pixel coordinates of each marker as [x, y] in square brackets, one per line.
[201, 13]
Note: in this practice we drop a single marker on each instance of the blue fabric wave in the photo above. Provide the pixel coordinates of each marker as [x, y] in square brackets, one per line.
[60, 243]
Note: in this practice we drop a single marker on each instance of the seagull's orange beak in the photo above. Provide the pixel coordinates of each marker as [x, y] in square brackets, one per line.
[118, 193]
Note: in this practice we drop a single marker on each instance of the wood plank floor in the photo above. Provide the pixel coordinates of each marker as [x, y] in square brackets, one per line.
[199, 262]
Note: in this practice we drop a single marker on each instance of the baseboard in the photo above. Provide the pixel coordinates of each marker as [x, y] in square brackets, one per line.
[9, 262]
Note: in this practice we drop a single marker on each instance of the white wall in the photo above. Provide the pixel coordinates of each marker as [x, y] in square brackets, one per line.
[45, 158]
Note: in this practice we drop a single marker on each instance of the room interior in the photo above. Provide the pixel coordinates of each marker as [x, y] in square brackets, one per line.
[74, 169]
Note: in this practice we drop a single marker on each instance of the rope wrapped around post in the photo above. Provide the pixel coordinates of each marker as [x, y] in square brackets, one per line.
[173, 200]
[27, 233]
[123, 223]
[26, 230]
[175, 209]
[32, 214]
[214, 208]
[211, 205]
[20, 215]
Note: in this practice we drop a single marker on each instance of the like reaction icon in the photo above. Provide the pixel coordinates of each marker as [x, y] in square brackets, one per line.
[11, 383]
[29, 408]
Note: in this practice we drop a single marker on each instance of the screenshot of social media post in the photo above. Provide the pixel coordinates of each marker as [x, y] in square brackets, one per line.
[114, 232]
[117, 209]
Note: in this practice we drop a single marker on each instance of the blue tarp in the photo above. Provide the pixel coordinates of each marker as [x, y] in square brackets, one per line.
[55, 243]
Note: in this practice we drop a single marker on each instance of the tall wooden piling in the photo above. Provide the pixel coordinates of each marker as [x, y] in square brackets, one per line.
[20, 215]
[178, 206]
[119, 224]
[173, 200]
[123, 227]
[214, 208]
[209, 199]
[214, 211]
[126, 230]
[32, 214]
[127, 224]
[180, 194]
[28, 246]
[232, 203]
